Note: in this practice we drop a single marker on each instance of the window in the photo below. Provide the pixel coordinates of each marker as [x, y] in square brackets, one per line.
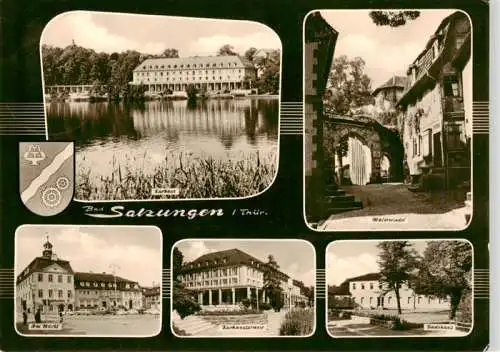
[69, 279]
[70, 294]
[59, 278]
[40, 293]
[50, 293]
[455, 136]
[50, 277]
[389, 300]
[362, 300]
[371, 300]
[451, 86]
[60, 294]
[82, 284]
[362, 286]
[419, 144]
[371, 285]
[353, 285]
[40, 277]
[409, 299]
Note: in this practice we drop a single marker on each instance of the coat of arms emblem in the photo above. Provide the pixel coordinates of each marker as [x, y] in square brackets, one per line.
[46, 172]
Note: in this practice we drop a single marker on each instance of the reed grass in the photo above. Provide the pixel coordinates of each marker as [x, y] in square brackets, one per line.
[194, 177]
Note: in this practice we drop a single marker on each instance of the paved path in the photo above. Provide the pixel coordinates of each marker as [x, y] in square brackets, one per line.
[391, 206]
[274, 320]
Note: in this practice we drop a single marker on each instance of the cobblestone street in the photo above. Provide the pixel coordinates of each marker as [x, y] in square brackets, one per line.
[391, 206]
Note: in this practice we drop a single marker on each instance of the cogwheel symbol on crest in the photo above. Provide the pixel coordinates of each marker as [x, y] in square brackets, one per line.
[51, 197]
[62, 183]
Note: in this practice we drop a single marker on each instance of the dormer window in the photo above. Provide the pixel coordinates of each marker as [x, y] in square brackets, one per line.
[215, 262]
[82, 284]
[103, 284]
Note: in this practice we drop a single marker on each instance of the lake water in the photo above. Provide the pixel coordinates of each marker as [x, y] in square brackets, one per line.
[110, 134]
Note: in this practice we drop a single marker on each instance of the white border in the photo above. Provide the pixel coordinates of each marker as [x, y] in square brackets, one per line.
[160, 325]
[304, 131]
[245, 240]
[398, 336]
[166, 19]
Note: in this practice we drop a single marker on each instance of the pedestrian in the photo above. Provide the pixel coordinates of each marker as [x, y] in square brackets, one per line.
[60, 316]
[38, 318]
[25, 317]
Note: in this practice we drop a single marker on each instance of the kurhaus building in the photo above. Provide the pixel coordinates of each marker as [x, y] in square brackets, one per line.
[437, 105]
[228, 277]
[51, 284]
[368, 292]
[209, 73]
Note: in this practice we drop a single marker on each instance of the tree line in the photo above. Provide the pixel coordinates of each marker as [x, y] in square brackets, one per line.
[111, 73]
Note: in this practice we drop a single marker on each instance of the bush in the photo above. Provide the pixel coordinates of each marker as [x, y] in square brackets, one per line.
[245, 302]
[183, 301]
[464, 310]
[297, 323]
[265, 306]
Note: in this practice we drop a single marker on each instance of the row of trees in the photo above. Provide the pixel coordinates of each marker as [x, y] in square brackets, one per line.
[186, 303]
[76, 65]
[444, 269]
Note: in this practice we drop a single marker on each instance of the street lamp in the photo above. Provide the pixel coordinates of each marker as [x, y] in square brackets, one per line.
[114, 267]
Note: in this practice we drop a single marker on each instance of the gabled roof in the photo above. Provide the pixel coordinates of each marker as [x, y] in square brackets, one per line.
[366, 277]
[232, 61]
[393, 82]
[232, 256]
[100, 277]
[40, 263]
[151, 291]
[225, 258]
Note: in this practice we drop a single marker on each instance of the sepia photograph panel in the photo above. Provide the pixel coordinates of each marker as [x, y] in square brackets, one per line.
[388, 120]
[185, 108]
[87, 281]
[243, 288]
[410, 288]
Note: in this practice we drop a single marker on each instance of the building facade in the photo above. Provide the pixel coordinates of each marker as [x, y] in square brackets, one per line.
[436, 106]
[151, 297]
[47, 283]
[368, 292]
[103, 290]
[226, 278]
[207, 73]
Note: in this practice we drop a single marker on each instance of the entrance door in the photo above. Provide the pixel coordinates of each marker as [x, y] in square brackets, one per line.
[358, 169]
[130, 304]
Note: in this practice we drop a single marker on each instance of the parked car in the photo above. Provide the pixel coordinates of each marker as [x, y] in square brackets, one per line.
[121, 312]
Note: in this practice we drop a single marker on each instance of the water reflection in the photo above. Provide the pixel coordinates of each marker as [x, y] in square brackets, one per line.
[217, 121]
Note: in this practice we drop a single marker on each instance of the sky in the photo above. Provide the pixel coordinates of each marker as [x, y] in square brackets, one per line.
[113, 32]
[137, 250]
[346, 259]
[295, 258]
[387, 51]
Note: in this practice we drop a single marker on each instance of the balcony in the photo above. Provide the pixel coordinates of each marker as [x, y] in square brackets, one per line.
[424, 63]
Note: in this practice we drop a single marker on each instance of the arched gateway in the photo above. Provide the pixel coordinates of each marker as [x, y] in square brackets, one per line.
[358, 150]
